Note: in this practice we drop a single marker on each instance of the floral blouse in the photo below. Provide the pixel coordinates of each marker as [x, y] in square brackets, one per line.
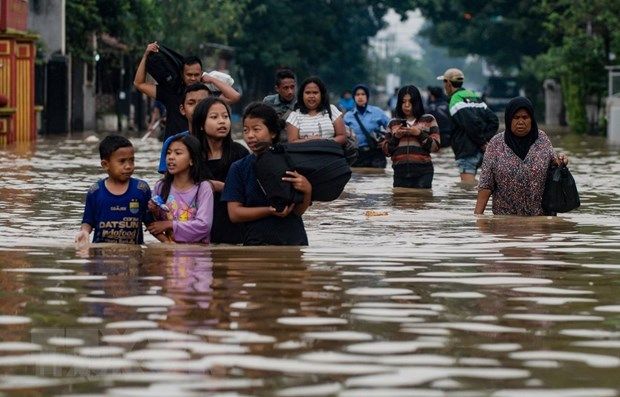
[516, 185]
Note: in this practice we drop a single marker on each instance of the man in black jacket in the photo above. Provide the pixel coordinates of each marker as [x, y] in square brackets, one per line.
[173, 99]
[474, 124]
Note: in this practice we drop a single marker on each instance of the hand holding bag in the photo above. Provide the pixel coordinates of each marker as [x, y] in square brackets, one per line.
[561, 193]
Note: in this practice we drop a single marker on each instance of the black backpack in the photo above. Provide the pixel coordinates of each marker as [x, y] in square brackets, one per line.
[166, 67]
[322, 162]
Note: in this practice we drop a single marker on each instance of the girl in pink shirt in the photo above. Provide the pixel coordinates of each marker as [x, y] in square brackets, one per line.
[187, 215]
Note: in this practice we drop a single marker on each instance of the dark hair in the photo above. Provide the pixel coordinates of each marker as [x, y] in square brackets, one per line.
[195, 87]
[417, 106]
[192, 60]
[112, 143]
[198, 129]
[197, 170]
[437, 92]
[282, 74]
[260, 110]
[323, 106]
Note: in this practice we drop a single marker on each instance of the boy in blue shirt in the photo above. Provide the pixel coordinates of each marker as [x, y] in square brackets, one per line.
[116, 206]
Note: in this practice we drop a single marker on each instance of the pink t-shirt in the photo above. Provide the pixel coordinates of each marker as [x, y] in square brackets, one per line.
[191, 212]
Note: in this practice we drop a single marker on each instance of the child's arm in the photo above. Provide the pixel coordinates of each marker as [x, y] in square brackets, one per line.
[301, 184]
[238, 213]
[197, 229]
[82, 237]
[159, 227]
[162, 238]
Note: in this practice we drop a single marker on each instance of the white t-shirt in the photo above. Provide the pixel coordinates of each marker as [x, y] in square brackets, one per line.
[319, 124]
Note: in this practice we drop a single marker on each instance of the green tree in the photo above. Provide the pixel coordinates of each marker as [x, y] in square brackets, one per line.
[587, 33]
[130, 21]
[501, 31]
[84, 20]
[194, 26]
[328, 38]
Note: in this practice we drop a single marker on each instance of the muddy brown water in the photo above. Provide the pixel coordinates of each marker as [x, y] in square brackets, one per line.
[400, 293]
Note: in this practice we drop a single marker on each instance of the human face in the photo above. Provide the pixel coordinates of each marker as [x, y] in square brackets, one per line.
[191, 73]
[286, 89]
[407, 105]
[360, 97]
[120, 165]
[255, 131]
[178, 159]
[521, 123]
[191, 100]
[217, 123]
[312, 96]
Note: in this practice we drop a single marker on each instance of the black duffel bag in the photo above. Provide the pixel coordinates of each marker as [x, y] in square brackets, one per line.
[561, 193]
[321, 161]
[166, 67]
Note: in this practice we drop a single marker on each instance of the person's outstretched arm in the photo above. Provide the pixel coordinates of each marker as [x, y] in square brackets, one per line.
[139, 80]
[482, 200]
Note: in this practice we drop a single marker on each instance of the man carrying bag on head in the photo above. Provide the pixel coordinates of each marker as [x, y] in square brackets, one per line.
[368, 123]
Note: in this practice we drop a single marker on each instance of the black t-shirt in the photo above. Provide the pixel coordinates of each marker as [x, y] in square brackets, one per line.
[242, 187]
[172, 99]
[223, 230]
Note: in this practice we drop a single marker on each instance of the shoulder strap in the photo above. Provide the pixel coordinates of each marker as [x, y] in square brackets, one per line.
[369, 138]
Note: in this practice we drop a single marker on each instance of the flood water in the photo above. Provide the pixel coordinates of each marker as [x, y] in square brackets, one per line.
[400, 293]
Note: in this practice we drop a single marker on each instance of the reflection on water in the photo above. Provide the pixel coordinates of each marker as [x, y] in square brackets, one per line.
[400, 293]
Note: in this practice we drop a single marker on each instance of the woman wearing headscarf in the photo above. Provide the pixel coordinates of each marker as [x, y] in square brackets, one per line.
[514, 169]
[368, 123]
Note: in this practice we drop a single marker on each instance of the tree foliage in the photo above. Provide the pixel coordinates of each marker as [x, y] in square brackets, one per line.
[84, 18]
[585, 36]
[193, 26]
[324, 37]
[501, 31]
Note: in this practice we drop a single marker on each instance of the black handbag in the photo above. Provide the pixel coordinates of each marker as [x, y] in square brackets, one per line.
[561, 193]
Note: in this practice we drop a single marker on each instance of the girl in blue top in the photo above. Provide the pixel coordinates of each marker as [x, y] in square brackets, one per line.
[247, 203]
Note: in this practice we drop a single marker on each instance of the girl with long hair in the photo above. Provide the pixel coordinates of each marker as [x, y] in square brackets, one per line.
[247, 202]
[412, 136]
[212, 125]
[185, 213]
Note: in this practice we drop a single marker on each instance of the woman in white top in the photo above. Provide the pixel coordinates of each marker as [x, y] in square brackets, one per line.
[314, 117]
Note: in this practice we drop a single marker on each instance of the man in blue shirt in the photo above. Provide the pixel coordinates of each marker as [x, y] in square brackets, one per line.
[369, 124]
